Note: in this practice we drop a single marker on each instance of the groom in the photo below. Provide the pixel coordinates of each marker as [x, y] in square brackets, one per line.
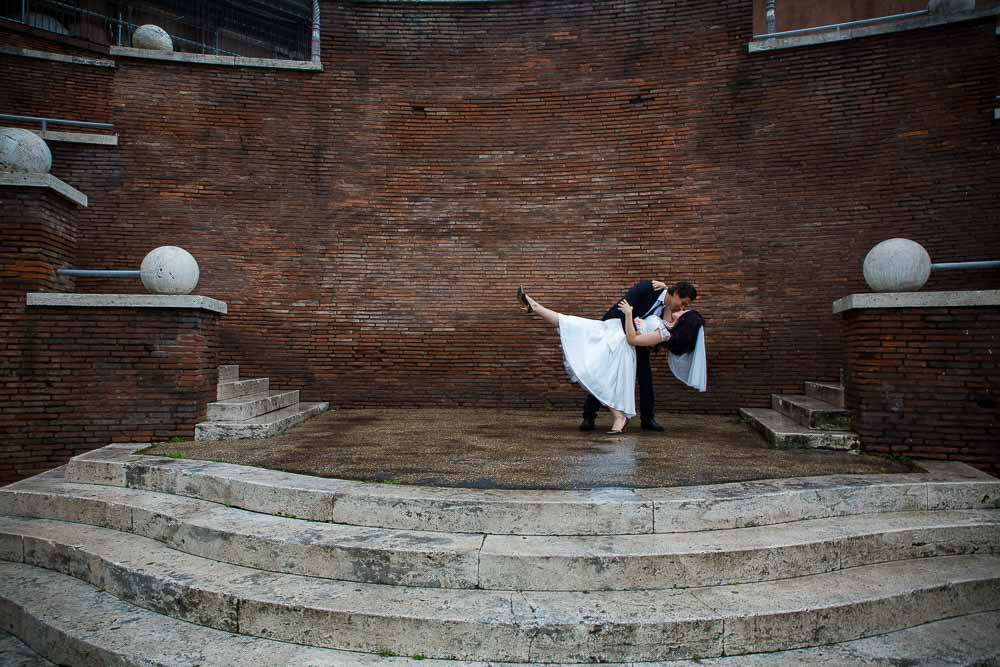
[647, 298]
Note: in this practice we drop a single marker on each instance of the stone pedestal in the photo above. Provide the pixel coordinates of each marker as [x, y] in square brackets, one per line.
[922, 376]
[38, 234]
[97, 368]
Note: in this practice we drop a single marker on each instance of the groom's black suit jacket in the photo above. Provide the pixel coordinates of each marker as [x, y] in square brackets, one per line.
[642, 296]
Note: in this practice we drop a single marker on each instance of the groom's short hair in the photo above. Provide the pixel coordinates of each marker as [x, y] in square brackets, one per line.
[683, 290]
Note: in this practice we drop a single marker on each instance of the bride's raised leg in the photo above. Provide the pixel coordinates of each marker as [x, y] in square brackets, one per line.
[550, 316]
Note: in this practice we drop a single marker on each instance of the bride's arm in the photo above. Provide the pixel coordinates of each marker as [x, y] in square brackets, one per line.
[636, 339]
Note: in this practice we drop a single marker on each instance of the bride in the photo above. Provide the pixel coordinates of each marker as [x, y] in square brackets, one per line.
[599, 355]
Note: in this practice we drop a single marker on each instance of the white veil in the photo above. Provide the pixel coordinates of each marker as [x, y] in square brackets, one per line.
[691, 368]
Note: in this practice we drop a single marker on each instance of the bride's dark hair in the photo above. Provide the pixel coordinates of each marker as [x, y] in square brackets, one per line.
[683, 290]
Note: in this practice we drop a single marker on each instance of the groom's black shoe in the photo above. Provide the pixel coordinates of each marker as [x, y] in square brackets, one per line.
[651, 425]
[587, 424]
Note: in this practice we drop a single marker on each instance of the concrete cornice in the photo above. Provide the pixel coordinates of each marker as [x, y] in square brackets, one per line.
[79, 137]
[857, 32]
[204, 59]
[57, 57]
[917, 300]
[66, 300]
[22, 180]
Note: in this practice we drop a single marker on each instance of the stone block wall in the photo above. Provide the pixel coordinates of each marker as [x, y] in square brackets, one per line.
[368, 224]
[925, 382]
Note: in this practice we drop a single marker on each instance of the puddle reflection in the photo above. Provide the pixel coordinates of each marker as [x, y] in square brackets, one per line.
[611, 461]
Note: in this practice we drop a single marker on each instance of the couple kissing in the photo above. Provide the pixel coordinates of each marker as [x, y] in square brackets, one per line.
[605, 356]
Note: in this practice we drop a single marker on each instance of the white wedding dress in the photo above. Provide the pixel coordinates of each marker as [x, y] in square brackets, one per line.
[597, 355]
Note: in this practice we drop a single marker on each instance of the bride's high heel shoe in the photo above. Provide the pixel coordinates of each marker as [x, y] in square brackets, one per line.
[621, 430]
[523, 300]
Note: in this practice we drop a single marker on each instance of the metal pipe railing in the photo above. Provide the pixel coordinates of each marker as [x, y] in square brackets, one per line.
[950, 266]
[770, 21]
[97, 273]
[54, 121]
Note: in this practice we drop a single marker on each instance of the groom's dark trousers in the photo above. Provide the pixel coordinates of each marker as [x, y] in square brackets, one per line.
[642, 297]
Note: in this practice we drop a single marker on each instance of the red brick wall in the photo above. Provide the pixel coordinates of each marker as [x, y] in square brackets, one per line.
[50, 89]
[368, 224]
[925, 383]
[90, 376]
[72, 379]
[38, 236]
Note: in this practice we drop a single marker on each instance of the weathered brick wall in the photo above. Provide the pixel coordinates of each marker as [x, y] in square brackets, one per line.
[49, 89]
[368, 224]
[38, 237]
[925, 383]
[72, 379]
[90, 376]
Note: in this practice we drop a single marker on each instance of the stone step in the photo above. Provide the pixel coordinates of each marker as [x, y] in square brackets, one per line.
[262, 426]
[229, 374]
[266, 542]
[463, 560]
[255, 405]
[74, 623]
[825, 391]
[14, 653]
[782, 432]
[812, 412]
[946, 485]
[554, 627]
[237, 388]
[733, 556]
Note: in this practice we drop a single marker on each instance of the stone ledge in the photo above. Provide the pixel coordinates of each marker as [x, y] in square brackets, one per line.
[917, 300]
[204, 59]
[57, 57]
[600, 511]
[79, 137]
[45, 181]
[66, 300]
[839, 35]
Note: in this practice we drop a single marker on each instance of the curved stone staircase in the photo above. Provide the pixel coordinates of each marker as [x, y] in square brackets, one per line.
[125, 559]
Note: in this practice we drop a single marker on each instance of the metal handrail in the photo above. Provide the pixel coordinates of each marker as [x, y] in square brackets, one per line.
[55, 121]
[838, 26]
[97, 273]
[948, 266]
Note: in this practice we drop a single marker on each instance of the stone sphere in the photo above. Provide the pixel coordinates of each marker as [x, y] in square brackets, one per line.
[24, 151]
[169, 270]
[897, 265]
[152, 37]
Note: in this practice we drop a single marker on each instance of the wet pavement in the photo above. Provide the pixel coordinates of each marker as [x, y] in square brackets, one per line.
[524, 449]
